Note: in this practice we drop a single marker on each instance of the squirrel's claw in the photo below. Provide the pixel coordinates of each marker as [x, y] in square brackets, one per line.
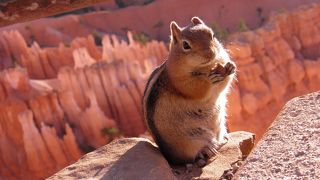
[201, 159]
[205, 154]
[201, 162]
[216, 77]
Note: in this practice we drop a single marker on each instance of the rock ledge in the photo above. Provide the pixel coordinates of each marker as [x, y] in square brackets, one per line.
[138, 158]
[291, 147]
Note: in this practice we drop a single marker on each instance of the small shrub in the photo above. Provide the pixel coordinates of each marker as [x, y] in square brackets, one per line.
[14, 61]
[158, 24]
[259, 11]
[111, 132]
[125, 29]
[97, 38]
[220, 32]
[281, 10]
[242, 26]
[66, 44]
[141, 37]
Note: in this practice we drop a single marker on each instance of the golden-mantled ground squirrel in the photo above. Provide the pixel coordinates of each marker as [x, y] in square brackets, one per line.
[184, 102]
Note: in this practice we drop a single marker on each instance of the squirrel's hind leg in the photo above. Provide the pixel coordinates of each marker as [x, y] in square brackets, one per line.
[208, 152]
[205, 154]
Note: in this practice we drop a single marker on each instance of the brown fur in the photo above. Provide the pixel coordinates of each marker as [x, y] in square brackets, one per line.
[184, 102]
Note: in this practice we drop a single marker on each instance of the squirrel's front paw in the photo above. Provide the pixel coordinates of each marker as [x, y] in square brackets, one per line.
[230, 68]
[219, 73]
[216, 77]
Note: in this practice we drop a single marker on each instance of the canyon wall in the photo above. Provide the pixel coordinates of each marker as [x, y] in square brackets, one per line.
[152, 19]
[60, 102]
[276, 62]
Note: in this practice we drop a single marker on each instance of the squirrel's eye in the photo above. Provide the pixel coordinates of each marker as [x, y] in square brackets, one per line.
[186, 45]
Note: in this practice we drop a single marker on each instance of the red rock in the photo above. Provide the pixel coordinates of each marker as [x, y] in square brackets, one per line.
[312, 72]
[89, 45]
[71, 146]
[106, 83]
[92, 121]
[38, 158]
[55, 146]
[279, 51]
[239, 51]
[6, 61]
[47, 110]
[250, 78]
[296, 71]
[136, 123]
[94, 80]
[249, 103]
[157, 26]
[268, 64]
[48, 69]
[269, 32]
[82, 58]
[278, 80]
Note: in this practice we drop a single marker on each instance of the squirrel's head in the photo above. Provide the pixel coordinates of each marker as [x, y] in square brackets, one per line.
[194, 44]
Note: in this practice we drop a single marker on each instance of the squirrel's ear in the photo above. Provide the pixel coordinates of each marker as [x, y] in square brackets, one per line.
[175, 31]
[196, 20]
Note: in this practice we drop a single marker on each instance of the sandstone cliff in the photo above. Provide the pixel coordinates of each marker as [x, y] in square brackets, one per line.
[149, 18]
[60, 102]
[279, 61]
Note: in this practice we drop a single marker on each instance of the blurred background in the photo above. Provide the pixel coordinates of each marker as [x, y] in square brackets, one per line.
[72, 81]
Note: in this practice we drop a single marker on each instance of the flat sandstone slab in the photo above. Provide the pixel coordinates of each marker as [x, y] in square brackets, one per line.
[138, 158]
[291, 147]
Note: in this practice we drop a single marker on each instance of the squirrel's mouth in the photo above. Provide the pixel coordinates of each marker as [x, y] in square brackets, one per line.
[210, 61]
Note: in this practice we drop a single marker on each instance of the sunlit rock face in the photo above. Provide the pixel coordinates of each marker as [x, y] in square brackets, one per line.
[276, 62]
[58, 103]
